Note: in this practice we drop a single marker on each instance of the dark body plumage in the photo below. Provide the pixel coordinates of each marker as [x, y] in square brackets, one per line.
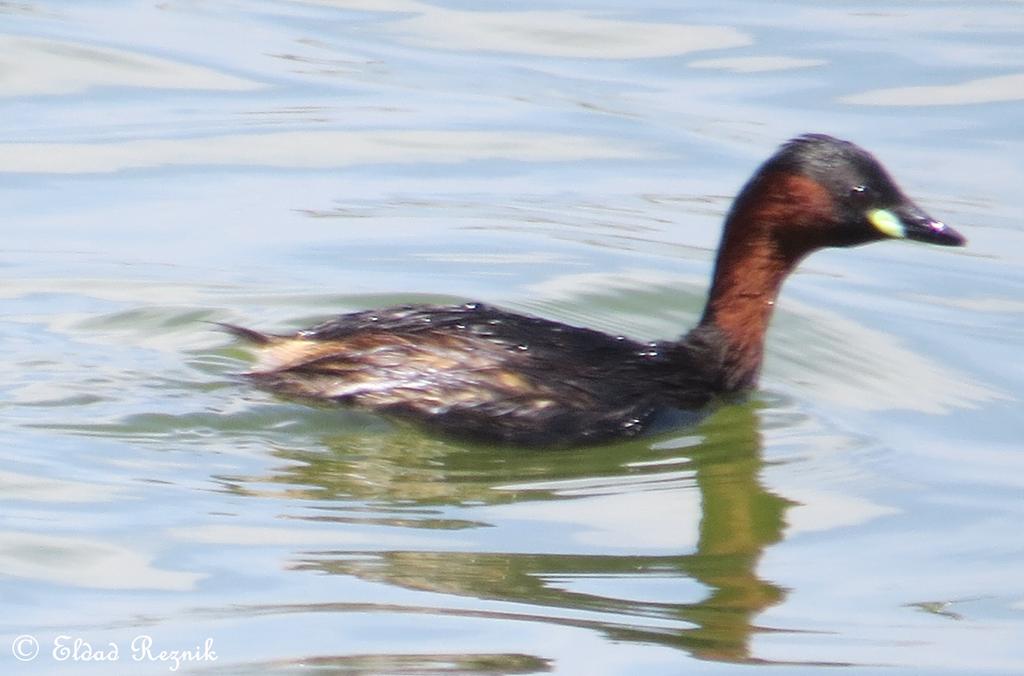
[477, 372]
[482, 373]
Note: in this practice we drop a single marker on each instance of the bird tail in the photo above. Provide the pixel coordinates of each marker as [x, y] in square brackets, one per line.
[251, 335]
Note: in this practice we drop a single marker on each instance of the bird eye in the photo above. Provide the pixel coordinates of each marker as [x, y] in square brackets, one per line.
[860, 192]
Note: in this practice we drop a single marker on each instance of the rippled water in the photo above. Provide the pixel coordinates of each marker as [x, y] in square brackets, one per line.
[164, 165]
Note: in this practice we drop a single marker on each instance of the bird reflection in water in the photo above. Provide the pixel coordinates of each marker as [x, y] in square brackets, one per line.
[400, 479]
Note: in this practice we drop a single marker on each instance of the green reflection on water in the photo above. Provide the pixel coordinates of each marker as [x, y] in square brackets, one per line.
[418, 663]
[400, 478]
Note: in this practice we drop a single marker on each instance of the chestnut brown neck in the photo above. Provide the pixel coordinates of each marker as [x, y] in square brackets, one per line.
[776, 221]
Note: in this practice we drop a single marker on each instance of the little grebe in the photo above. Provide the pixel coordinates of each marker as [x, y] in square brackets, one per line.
[482, 373]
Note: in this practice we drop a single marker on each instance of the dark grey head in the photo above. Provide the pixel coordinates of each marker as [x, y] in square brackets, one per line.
[866, 202]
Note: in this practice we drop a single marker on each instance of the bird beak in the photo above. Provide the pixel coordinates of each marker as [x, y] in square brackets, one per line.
[908, 221]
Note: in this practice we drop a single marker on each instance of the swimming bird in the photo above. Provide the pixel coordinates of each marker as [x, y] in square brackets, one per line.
[485, 374]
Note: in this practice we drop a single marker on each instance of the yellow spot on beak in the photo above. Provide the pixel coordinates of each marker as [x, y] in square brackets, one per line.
[886, 223]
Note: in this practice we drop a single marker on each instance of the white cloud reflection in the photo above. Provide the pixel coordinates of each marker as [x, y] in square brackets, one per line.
[571, 34]
[308, 150]
[268, 536]
[16, 486]
[562, 34]
[757, 64]
[817, 510]
[602, 519]
[984, 90]
[84, 562]
[34, 66]
[844, 362]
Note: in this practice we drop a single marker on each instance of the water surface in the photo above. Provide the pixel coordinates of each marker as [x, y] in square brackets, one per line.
[164, 165]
